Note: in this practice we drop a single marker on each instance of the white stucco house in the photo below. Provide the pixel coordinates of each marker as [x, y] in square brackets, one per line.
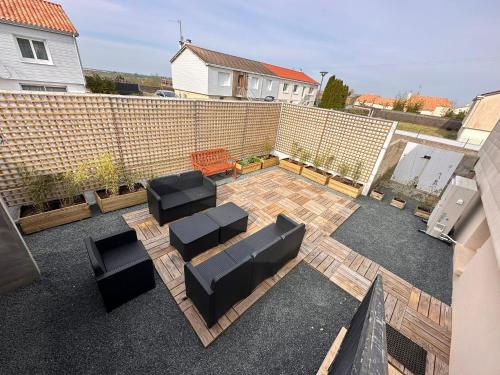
[201, 73]
[38, 48]
[481, 119]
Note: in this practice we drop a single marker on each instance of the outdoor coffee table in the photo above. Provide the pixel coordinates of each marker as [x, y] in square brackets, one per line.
[231, 219]
[193, 235]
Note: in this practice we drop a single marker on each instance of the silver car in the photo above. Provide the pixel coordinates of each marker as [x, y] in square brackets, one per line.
[166, 93]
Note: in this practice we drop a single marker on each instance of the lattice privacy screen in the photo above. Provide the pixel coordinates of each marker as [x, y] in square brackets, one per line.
[350, 138]
[53, 132]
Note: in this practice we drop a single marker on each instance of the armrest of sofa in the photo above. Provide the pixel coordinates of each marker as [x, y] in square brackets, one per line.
[116, 240]
[153, 194]
[191, 273]
[208, 183]
[95, 257]
[285, 223]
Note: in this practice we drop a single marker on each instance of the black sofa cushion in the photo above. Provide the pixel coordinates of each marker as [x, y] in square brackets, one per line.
[190, 179]
[214, 267]
[166, 184]
[120, 256]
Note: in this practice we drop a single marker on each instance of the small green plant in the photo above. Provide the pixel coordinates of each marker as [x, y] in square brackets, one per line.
[328, 162]
[129, 179]
[38, 187]
[249, 160]
[295, 150]
[356, 173]
[107, 174]
[343, 169]
[318, 161]
[267, 147]
[71, 183]
[304, 155]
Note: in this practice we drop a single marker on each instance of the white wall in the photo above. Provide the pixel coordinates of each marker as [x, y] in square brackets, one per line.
[262, 90]
[64, 70]
[190, 73]
[472, 136]
[213, 82]
[296, 98]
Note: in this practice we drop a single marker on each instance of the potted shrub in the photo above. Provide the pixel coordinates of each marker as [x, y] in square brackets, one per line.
[343, 184]
[268, 159]
[377, 194]
[291, 164]
[250, 164]
[315, 173]
[43, 212]
[120, 189]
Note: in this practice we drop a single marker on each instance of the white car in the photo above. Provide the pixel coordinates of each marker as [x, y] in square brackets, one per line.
[166, 94]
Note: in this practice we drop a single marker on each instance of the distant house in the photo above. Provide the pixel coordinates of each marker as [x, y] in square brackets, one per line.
[482, 117]
[201, 73]
[38, 48]
[431, 105]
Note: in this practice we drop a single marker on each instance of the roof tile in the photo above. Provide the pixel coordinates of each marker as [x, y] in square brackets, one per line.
[38, 13]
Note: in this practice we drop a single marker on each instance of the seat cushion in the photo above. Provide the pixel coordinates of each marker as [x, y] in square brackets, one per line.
[193, 227]
[198, 193]
[174, 200]
[263, 237]
[165, 185]
[215, 266]
[120, 256]
[226, 214]
[182, 197]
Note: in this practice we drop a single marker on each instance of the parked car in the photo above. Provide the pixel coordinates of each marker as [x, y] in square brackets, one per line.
[269, 98]
[166, 93]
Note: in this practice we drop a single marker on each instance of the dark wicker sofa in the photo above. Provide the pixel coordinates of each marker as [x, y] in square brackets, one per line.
[175, 196]
[122, 267]
[218, 283]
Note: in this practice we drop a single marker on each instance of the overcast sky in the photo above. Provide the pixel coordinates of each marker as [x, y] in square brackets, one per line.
[439, 47]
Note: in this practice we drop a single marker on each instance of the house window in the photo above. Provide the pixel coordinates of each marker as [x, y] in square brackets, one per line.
[311, 90]
[254, 83]
[223, 78]
[44, 88]
[269, 84]
[295, 89]
[285, 87]
[33, 50]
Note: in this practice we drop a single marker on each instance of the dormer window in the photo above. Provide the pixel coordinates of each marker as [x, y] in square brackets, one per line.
[33, 50]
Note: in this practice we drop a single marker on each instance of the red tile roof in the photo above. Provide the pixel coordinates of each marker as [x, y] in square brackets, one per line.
[39, 13]
[290, 74]
[430, 103]
[375, 99]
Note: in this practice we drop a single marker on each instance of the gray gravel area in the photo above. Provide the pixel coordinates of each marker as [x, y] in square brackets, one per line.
[58, 325]
[390, 237]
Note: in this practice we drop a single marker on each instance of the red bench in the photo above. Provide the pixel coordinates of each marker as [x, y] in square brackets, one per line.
[213, 161]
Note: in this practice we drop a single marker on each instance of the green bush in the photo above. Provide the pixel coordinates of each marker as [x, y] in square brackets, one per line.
[107, 174]
[99, 85]
[249, 160]
[38, 187]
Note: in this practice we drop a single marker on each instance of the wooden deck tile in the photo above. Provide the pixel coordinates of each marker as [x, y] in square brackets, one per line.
[419, 316]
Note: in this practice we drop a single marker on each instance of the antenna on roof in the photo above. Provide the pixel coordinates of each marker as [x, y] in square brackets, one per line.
[181, 38]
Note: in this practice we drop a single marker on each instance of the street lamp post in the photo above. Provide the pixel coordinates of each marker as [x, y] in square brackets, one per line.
[323, 74]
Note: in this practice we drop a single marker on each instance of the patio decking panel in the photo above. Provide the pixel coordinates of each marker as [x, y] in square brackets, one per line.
[422, 318]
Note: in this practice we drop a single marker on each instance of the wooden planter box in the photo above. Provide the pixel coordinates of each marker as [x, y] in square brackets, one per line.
[45, 220]
[252, 167]
[344, 188]
[290, 166]
[273, 160]
[115, 202]
[423, 212]
[378, 195]
[398, 203]
[312, 174]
